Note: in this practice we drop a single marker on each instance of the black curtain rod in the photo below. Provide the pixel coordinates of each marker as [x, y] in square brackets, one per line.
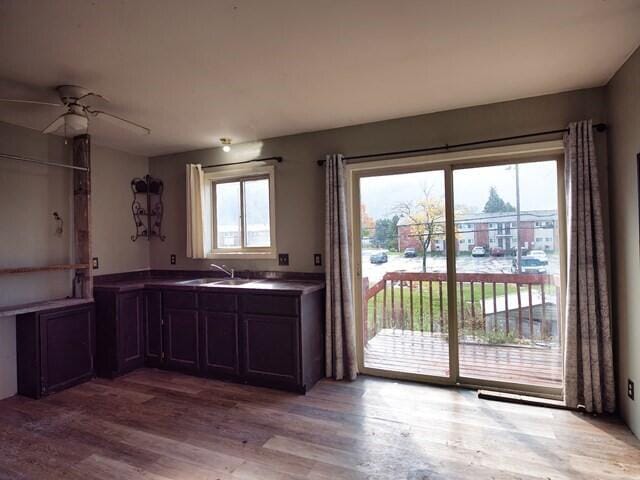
[277, 159]
[600, 127]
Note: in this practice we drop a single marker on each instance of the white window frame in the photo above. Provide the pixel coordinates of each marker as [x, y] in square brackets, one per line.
[227, 175]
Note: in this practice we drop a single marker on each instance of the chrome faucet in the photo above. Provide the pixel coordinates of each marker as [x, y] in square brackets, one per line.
[231, 272]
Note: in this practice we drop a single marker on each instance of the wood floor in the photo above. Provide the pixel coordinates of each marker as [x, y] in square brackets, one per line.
[159, 425]
[427, 354]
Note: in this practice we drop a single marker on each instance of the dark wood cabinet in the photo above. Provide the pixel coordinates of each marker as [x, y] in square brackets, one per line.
[182, 340]
[56, 349]
[220, 350]
[120, 332]
[130, 353]
[260, 337]
[271, 349]
[153, 340]
[220, 335]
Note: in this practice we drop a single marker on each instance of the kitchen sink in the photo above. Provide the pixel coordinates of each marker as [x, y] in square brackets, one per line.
[231, 281]
[195, 281]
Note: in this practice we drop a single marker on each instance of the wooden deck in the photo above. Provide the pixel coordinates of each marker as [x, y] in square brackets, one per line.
[428, 354]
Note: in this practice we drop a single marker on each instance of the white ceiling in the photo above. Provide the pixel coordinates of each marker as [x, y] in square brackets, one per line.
[194, 71]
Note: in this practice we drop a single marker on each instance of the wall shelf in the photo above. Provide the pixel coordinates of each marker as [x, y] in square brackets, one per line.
[147, 207]
[46, 268]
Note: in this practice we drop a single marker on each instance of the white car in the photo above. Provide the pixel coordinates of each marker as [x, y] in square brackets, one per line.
[540, 255]
[479, 252]
[529, 265]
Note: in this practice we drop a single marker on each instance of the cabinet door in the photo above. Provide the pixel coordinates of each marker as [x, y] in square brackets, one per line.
[271, 349]
[130, 332]
[153, 328]
[67, 343]
[220, 342]
[182, 340]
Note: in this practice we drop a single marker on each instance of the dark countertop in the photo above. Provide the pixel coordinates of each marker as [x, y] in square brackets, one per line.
[258, 285]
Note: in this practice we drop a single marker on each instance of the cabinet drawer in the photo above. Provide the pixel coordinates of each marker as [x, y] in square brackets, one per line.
[177, 299]
[271, 305]
[218, 302]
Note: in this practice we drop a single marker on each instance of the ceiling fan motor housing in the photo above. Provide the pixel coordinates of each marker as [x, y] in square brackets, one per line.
[71, 93]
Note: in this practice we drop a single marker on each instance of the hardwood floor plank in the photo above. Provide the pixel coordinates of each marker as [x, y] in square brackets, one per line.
[158, 425]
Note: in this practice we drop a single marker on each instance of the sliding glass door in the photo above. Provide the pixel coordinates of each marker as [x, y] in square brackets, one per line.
[459, 271]
[508, 273]
[404, 273]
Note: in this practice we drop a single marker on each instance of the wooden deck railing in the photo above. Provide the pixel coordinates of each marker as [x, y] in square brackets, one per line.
[500, 307]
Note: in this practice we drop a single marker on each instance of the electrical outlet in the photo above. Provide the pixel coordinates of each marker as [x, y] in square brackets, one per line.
[94, 263]
[283, 259]
[317, 259]
[630, 389]
[173, 259]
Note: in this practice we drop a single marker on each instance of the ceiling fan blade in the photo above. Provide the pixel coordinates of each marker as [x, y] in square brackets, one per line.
[121, 122]
[97, 95]
[55, 125]
[34, 102]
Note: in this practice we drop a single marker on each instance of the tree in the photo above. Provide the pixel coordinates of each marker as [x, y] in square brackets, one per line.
[425, 220]
[386, 233]
[367, 223]
[495, 203]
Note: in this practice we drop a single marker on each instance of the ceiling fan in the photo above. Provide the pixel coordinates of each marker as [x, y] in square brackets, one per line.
[76, 119]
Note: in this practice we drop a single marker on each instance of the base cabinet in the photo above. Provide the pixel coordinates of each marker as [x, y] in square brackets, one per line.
[130, 354]
[120, 332]
[266, 338]
[153, 337]
[182, 342]
[56, 349]
[220, 349]
[271, 349]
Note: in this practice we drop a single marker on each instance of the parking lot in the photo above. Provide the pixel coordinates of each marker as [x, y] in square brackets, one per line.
[464, 264]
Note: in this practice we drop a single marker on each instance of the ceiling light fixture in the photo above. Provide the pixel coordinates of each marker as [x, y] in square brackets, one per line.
[226, 144]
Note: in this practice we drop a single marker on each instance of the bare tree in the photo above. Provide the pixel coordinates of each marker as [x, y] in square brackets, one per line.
[426, 219]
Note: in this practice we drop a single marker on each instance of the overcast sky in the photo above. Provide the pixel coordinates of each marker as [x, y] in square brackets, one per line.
[538, 187]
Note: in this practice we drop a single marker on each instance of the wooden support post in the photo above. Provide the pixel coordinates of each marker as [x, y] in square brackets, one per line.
[384, 304]
[365, 310]
[411, 305]
[82, 212]
[519, 311]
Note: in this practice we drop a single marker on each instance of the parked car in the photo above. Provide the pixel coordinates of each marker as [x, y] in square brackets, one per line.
[529, 265]
[514, 251]
[497, 252]
[479, 252]
[540, 255]
[409, 252]
[377, 258]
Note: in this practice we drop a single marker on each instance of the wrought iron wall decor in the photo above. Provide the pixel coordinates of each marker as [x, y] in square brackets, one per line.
[147, 207]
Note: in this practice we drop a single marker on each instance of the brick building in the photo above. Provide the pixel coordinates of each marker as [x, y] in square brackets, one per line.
[538, 230]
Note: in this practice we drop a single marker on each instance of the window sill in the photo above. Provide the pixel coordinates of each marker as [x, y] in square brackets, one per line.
[243, 255]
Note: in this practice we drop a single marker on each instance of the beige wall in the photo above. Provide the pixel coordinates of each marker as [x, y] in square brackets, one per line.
[623, 100]
[300, 182]
[112, 223]
[29, 194]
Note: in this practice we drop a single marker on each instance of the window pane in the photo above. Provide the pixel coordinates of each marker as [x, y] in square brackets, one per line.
[508, 276]
[404, 279]
[228, 215]
[256, 208]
